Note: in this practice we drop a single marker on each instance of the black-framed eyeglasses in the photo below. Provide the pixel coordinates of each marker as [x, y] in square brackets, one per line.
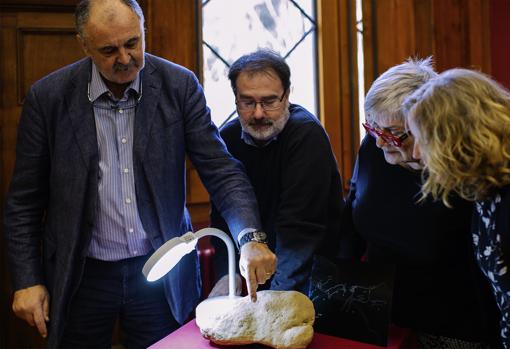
[268, 104]
[386, 136]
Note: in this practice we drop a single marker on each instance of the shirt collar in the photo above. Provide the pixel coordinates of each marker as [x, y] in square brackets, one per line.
[98, 87]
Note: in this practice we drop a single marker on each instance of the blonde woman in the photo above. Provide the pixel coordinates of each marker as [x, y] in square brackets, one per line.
[461, 125]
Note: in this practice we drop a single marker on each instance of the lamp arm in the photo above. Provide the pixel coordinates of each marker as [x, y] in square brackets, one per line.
[231, 254]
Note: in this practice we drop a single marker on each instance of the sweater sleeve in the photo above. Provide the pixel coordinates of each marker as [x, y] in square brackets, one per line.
[302, 219]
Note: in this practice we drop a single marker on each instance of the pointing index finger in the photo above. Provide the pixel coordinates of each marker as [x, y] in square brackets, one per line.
[252, 284]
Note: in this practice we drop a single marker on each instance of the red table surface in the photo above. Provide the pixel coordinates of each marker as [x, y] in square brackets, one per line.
[189, 337]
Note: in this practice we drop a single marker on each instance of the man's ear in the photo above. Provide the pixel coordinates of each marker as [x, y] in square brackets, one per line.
[82, 43]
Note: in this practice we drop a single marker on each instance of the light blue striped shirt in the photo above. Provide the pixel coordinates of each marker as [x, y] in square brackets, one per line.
[118, 232]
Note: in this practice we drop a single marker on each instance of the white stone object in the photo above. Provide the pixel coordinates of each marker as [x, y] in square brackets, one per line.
[279, 319]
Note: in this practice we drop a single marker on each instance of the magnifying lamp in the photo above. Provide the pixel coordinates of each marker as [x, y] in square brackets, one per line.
[171, 252]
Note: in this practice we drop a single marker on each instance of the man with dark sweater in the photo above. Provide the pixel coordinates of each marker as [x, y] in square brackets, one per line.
[288, 158]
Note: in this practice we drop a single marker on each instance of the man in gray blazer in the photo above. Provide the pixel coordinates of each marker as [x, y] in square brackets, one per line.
[99, 184]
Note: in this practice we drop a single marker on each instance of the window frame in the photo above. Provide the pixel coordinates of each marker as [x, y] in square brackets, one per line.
[178, 38]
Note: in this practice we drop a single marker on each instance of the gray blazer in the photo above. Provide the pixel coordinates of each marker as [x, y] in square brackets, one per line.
[53, 193]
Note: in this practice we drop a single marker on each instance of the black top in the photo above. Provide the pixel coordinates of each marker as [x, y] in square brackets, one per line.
[438, 289]
[299, 192]
[491, 234]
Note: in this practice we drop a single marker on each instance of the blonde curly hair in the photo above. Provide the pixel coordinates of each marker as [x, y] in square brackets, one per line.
[463, 121]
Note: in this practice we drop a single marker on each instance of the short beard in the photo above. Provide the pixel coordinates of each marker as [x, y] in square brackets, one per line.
[275, 126]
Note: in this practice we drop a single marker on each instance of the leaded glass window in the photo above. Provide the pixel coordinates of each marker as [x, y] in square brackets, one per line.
[231, 28]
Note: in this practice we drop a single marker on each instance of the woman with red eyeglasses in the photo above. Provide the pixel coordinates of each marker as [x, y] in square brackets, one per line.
[438, 291]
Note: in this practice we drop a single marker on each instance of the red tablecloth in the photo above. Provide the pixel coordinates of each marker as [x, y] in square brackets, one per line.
[188, 337]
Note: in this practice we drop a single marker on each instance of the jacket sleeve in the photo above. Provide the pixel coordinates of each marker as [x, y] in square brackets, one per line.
[222, 175]
[27, 197]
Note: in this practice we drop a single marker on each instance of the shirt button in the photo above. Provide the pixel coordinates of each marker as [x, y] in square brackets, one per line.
[131, 230]
[124, 140]
[126, 170]
[121, 111]
[135, 252]
[128, 200]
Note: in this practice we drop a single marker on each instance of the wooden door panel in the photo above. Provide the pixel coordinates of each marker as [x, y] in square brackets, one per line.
[42, 51]
[454, 32]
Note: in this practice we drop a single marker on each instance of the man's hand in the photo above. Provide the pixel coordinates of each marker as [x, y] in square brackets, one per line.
[32, 305]
[257, 264]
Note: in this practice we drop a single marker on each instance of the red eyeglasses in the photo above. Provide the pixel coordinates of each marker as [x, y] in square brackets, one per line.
[385, 135]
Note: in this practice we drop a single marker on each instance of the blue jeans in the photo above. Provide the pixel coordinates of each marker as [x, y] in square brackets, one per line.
[117, 290]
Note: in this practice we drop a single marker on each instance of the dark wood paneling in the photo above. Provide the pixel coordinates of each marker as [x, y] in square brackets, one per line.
[41, 51]
[31, 4]
[455, 32]
[461, 34]
[369, 32]
[450, 34]
[172, 31]
[499, 40]
[39, 5]
[424, 31]
[338, 80]
[395, 32]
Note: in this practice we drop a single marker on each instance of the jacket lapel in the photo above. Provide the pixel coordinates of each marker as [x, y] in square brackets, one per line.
[81, 113]
[146, 110]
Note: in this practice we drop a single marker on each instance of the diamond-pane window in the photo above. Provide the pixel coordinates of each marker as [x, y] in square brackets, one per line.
[232, 28]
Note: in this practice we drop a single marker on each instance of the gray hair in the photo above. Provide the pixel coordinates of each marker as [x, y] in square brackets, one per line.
[388, 92]
[82, 12]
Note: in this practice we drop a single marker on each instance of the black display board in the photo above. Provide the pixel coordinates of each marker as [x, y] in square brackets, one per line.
[352, 299]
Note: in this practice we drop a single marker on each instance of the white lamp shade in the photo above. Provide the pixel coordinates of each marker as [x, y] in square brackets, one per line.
[171, 252]
[168, 255]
